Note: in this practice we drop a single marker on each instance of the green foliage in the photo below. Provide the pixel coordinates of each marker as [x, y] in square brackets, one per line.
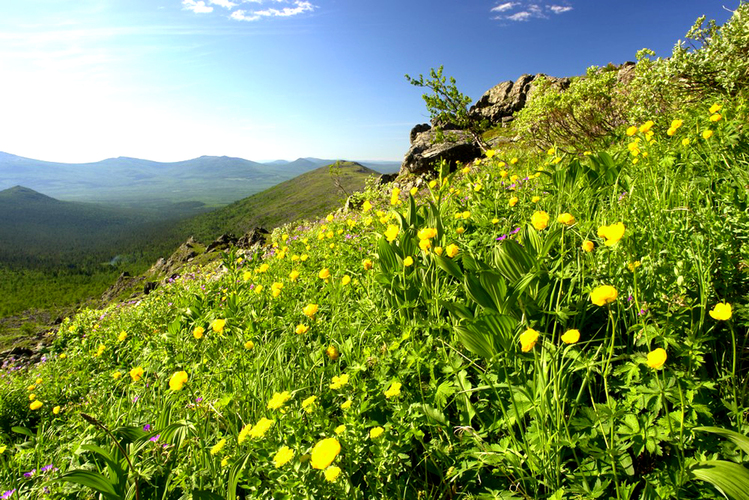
[532, 326]
[447, 106]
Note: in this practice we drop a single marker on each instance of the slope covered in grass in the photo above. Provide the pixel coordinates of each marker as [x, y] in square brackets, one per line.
[305, 196]
[533, 325]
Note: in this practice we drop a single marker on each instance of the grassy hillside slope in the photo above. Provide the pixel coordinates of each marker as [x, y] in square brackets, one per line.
[309, 195]
[540, 324]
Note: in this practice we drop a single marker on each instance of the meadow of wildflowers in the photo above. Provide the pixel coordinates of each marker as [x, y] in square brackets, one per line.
[531, 325]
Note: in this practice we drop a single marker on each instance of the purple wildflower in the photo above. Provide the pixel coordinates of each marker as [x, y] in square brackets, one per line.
[8, 494]
[155, 438]
[50, 467]
[147, 427]
[29, 473]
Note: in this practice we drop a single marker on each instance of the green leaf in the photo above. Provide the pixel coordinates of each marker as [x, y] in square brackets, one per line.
[496, 288]
[478, 342]
[457, 309]
[738, 439]
[24, 431]
[731, 479]
[387, 257]
[448, 265]
[92, 480]
[512, 260]
[478, 293]
[433, 414]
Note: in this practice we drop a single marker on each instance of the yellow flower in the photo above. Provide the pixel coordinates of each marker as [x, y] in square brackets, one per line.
[116, 375]
[340, 429]
[685, 142]
[2, 449]
[56, 410]
[645, 127]
[513, 201]
[452, 250]
[612, 233]
[540, 220]
[63, 355]
[276, 289]
[634, 265]
[218, 325]
[715, 108]
[392, 232]
[366, 206]
[310, 310]
[413, 190]
[503, 173]
[122, 336]
[367, 264]
[671, 131]
[707, 134]
[466, 215]
[259, 289]
[676, 124]
[293, 275]
[246, 276]
[136, 373]
[376, 432]
[552, 151]
[425, 245]
[632, 130]
[339, 382]
[100, 350]
[198, 332]
[346, 404]
[283, 456]
[513, 161]
[432, 184]
[408, 261]
[460, 230]
[657, 358]
[329, 218]
[716, 117]
[260, 428]
[394, 390]
[332, 473]
[309, 404]
[571, 336]
[278, 400]
[604, 294]
[722, 311]
[332, 352]
[36, 405]
[324, 452]
[303, 257]
[394, 196]
[438, 250]
[489, 153]
[427, 233]
[301, 329]
[32, 397]
[566, 219]
[31, 388]
[324, 274]
[249, 345]
[477, 187]
[535, 199]
[495, 220]
[528, 339]
[244, 433]
[263, 268]
[218, 447]
[345, 280]
[178, 380]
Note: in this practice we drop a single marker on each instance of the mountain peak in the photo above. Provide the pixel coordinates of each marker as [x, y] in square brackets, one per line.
[22, 193]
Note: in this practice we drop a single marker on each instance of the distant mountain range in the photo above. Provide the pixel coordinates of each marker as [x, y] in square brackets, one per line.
[211, 180]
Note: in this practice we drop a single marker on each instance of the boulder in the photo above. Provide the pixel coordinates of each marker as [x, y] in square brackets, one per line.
[222, 242]
[252, 237]
[422, 127]
[426, 150]
[503, 100]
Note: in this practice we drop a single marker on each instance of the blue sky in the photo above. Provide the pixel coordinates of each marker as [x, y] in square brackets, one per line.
[170, 80]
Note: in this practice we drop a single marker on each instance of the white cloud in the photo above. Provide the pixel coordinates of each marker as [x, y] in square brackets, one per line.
[504, 6]
[242, 15]
[527, 10]
[227, 4]
[198, 7]
[523, 15]
[297, 7]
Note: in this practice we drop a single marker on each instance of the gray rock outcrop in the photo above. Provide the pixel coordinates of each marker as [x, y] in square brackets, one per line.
[426, 150]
